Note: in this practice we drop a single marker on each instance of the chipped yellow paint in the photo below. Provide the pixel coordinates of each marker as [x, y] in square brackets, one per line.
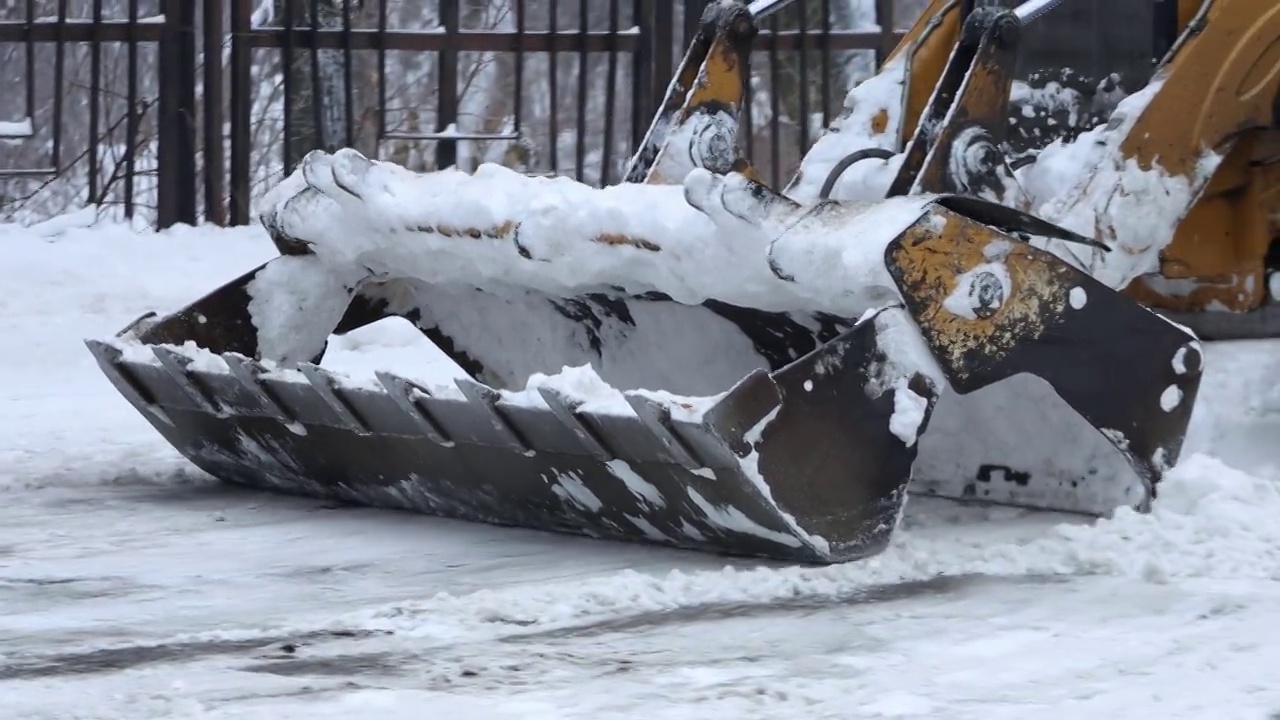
[620, 239]
[508, 229]
[501, 231]
[880, 122]
[942, 246]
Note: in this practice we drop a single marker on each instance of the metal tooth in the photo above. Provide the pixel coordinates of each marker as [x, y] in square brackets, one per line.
[138, 322]
[566, 411]
[399, 389]
[245, 373]
[175, 364]
[657, 418]
[487, 398]
[124, 382]
[319, 380]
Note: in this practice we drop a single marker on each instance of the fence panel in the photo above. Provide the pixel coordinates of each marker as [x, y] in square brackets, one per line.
[178, 111]
[90, 124]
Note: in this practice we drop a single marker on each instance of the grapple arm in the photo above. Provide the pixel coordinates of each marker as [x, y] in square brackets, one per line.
[1182, 185]
[697, 122]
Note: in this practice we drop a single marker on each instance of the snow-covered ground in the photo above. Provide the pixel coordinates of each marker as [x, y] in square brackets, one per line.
[133, 587]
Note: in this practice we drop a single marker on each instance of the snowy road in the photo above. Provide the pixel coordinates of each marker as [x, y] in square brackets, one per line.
[133, 587]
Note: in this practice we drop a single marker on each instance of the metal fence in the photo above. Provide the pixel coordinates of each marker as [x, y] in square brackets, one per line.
[177, 111]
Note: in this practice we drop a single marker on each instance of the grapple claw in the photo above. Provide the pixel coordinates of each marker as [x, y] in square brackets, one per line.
[773, 387]
[993, 308]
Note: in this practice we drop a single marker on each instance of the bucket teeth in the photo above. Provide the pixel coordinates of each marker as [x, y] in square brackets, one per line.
[714, 481]
[403, 392]
[486, 399]
[247, 373]
[176, 365]
[566, 411]
[656, 418]
[323, 383]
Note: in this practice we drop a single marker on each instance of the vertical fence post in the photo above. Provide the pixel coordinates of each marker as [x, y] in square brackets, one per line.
[214, 160]
[641, 72]
[692, 19]
[447, 98]
[241, 115]
[177, 177]
[887, 22]
[662, 30]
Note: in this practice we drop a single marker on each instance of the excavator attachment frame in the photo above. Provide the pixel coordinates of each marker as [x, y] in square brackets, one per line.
[808, 459]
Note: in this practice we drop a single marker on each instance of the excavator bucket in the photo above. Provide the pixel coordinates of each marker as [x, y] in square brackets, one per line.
[728, 371]
[693, 471]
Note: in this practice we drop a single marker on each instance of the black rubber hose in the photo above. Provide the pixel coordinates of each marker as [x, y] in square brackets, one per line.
[846, 162]
[1022, 162]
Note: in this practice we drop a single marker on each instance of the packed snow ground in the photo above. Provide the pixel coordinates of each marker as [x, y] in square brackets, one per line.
[133, 587]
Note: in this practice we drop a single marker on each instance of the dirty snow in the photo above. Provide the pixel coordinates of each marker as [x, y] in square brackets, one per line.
[131, 587]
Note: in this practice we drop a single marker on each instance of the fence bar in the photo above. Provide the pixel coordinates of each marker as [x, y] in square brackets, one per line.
[319, 132]
[215, 171]
[824, 41]
[196, 160]
[517, 109]
[447, 97]
[775, 106]
[584, 74]
[553, 115]
[59, 75]
[288, 81]
[663, 67]
[348, 80]
[30, 47]
[241, 112]
[176, 191]
[131, 108]
[95, 108]
[802, 11]
[888, 26]
[382, 67]
[610, 96]
[641, 76]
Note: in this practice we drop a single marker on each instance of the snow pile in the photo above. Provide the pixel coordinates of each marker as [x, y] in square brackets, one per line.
[708, 239]
[1088, 186]
[1211, 522]
[872, 118]
[69, 279]
[430, 238]
[1050, 99]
